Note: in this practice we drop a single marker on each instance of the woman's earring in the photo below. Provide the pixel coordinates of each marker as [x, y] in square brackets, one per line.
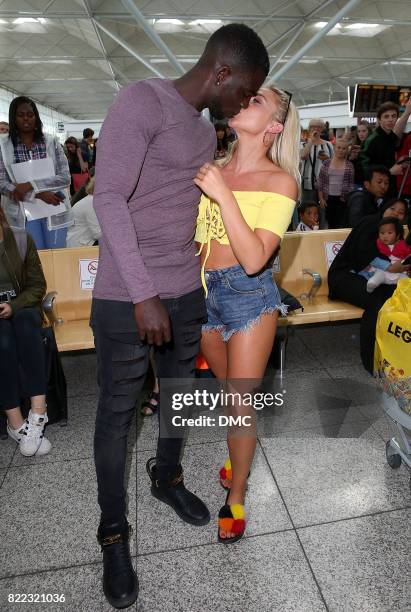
[268, 139]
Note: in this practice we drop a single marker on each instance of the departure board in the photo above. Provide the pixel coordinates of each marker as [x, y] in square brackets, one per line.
[367, 98]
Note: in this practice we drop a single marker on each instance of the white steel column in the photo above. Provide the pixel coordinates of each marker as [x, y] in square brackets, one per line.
[125, 46]
[152, 34]
[315, 39]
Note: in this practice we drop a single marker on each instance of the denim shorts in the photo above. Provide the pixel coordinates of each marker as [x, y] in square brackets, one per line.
[236, 301]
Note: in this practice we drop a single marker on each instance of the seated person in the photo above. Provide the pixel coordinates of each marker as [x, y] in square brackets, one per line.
[392, 248]
[346, 284]
[308, 215]
[81, 193]
[86, 229]
[22, 288]
[367, 201]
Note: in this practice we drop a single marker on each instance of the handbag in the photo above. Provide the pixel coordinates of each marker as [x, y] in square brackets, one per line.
[79, 180]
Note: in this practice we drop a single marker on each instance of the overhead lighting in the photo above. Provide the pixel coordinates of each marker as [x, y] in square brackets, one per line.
[3, 21]
[398, 62]
[182, 60]
[322, 24]
[29, 20]
[308, 61]
[170, 21]
[205, 21]
[360, 26]
[45, 61]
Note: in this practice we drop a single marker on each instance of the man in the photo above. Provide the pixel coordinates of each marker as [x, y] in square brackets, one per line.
[148, 289]
[367, 200]
[4, 129]
[380, 146]
[87, 146]
[404, 180]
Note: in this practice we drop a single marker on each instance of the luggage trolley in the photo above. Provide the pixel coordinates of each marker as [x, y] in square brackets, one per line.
[398, 448]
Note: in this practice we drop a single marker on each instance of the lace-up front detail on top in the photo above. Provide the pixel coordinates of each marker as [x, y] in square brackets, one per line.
[260, 209]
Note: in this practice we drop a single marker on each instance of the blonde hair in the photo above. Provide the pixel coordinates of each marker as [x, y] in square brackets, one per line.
[316, 123]
[285, 150]
[90, 186]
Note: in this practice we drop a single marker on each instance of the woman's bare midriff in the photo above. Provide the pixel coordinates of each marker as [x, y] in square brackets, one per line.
[221, 256]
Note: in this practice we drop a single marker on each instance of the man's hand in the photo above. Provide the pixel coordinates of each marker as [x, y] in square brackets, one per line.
[49, 198]
[153, 322]
[20, 191]
[5, 310]
[397, 170]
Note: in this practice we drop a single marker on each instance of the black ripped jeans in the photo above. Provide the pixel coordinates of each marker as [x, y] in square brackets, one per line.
[122, 361]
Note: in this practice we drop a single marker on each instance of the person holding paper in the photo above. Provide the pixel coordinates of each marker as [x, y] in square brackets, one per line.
[33, 176]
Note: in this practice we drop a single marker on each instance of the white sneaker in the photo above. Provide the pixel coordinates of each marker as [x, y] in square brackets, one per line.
[16, 435]
[31, 436]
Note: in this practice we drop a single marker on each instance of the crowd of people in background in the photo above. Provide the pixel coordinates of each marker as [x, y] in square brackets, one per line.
[346, 173]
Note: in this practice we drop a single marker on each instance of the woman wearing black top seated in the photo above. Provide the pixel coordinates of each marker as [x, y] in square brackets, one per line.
[347, 285]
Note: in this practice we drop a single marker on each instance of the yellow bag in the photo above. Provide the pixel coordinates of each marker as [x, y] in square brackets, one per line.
[392, 355]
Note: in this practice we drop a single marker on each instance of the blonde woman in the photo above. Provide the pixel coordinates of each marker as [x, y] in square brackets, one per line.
[246, 208]
[335, 182]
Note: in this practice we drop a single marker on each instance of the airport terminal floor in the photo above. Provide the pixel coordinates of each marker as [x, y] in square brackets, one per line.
[329, 521]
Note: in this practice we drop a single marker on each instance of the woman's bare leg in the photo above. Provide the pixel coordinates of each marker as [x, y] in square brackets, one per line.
[248, 354]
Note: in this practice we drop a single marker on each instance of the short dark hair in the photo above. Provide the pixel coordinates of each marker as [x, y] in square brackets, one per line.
[387, 106]
[371, 170]
[88, 133]
[13, 131]
[302, 208]
[399, 230]
[390, 203]
[241, 45]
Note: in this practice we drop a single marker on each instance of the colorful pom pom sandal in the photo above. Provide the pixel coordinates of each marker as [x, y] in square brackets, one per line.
[231, 518]
[227, 474]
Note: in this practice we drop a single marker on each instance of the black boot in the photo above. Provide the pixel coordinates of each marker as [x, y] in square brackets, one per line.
[120, 584]
[188, 506]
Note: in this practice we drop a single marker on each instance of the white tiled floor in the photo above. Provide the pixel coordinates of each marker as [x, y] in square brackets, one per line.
[329, 521]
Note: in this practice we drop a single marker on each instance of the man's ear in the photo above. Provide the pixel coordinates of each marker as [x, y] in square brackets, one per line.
[367, 184]
[222, 74]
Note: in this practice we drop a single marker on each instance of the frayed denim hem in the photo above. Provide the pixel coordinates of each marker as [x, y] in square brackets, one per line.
[226, 335]
[210, 328]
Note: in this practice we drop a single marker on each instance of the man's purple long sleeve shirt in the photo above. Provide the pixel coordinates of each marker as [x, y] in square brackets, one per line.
[150, 148]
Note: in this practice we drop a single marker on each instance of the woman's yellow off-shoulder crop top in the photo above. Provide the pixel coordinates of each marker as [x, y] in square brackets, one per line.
[260, 209]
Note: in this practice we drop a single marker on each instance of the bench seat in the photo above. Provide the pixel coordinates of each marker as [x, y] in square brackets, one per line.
[302, 272]
[321, 310]
[74, 335]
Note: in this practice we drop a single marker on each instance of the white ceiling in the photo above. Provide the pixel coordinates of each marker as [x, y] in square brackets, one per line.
[63, 59]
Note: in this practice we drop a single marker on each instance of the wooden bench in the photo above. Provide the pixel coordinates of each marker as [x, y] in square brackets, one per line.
[71, 306]
[303, 273]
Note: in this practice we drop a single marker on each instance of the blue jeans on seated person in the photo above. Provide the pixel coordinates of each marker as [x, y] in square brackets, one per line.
[45, 238]
[236, 301]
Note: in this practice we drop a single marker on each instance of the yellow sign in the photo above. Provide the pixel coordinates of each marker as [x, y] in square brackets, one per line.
[392, 357]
